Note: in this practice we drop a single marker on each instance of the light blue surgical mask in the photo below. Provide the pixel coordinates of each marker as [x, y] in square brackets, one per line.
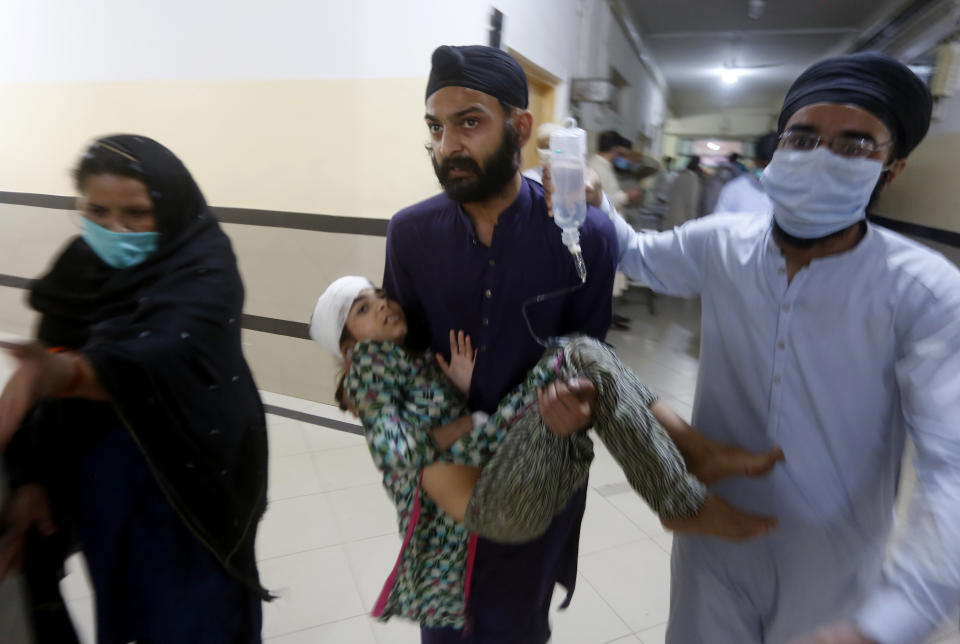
[119, 250]
[622, 164]
[816, 193]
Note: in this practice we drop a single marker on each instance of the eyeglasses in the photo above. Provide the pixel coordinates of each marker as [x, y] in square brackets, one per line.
[854, 147]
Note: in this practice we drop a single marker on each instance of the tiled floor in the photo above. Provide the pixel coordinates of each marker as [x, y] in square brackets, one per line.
[329, 536]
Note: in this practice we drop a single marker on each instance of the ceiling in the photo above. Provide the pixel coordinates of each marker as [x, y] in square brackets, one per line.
[691, 40]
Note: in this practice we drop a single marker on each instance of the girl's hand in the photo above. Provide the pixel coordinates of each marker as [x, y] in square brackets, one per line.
[462, 358]
[566, 407]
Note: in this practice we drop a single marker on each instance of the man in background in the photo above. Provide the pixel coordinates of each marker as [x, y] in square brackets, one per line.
[612, 149]
[745, 194]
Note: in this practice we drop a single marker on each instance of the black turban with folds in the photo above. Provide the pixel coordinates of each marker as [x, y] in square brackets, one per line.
[485, 69]
[872, 81]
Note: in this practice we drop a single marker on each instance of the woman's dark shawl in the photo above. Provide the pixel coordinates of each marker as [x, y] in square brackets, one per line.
[164, 339]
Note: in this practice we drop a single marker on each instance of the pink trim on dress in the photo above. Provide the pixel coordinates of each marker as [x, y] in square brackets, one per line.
[381, 604]
[468, 576]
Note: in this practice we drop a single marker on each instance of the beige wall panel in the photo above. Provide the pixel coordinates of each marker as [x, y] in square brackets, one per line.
[30, 237]
[340, 147]
[285, 271]
[290, 366]
[927, 191]
[15, 316]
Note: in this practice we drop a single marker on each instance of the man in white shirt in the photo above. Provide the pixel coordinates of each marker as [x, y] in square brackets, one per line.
[745, 194]
[722, 174]
[610, 147]
[684, 198]
[661, 188]
[835, 339]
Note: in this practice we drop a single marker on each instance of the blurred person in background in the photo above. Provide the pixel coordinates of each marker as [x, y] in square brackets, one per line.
[745, 194]
[684, 196]
[133, 422]
[612, 153]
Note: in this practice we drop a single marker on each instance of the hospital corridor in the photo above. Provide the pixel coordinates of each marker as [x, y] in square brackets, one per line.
[480, 322]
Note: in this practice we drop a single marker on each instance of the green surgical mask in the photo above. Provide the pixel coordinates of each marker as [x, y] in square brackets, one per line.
[119, 250]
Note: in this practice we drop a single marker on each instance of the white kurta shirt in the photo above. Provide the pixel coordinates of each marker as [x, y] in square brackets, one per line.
[835, 367]
[744, 194]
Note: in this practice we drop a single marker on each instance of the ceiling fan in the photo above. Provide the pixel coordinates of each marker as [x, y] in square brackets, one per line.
[731, 70]
[755, 9]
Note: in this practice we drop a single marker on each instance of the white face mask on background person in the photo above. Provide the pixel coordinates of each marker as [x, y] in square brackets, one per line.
[816, 193]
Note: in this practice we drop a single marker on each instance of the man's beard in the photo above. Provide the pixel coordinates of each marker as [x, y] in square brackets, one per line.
[497, 171]
[802, 243]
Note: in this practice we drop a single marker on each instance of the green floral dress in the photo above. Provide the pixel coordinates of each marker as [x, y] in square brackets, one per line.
[400, 398]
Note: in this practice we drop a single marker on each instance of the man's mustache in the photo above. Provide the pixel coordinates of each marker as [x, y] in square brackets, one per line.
[459, 163]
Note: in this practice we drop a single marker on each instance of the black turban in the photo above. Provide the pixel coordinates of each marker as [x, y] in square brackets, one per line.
[875, 82]
[484, 69]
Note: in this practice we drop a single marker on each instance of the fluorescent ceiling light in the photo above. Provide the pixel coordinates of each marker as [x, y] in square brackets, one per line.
[713, 146]
[729, 76]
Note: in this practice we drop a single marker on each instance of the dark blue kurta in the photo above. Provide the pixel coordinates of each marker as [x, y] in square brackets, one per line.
[445, 278]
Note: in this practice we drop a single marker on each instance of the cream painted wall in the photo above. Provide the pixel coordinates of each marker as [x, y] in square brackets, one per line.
[285, 271]
[15, 317]
[927, 192]
[291, 105]
[290, 366]
[30, 237]
[344, 147]
[61, 40]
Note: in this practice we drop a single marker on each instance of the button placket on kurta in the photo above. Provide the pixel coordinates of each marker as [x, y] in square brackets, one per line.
[489, 288]
[785, 304]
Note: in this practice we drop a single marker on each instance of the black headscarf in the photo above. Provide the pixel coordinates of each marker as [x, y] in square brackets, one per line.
[164, 340]
[873, 81]
[485, 69]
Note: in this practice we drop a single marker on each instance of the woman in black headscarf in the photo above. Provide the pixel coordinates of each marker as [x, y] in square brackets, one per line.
[134, 414]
